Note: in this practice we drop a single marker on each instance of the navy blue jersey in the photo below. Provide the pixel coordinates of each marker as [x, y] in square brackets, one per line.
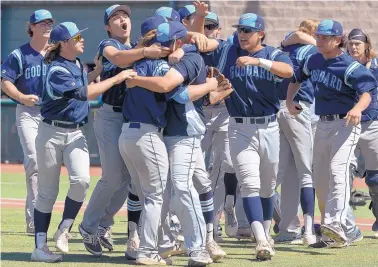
[255, 89]
[115, 95]
[297, 53]
[25, 68]
[142, 105]
[338, 82]
[371, 113]
[187, 119]
[65, 91]
[208, 57]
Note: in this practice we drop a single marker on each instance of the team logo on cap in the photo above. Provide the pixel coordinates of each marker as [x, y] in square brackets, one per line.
[73, 83]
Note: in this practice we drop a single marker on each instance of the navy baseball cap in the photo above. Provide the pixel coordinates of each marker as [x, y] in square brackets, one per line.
[211, 16]
[151, 24]
[170, 31]
[64, 31]
[186, 11]
[168, 12]
[252, 21]
[40, 15]
[113, 9]
[330, 27]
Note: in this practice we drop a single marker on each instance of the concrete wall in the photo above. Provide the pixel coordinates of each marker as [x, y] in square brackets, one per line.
[282, 17]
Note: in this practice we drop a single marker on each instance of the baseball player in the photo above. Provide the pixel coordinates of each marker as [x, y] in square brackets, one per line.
[216, 118]
[254, 72]
[360, 48]
[60, 137]
[112, 189]
[337, 79]
[169, 13]
[296, 147]
[182, 139]
[21, 75]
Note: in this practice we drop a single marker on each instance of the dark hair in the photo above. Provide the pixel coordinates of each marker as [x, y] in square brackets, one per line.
[28, 29]
[145, 40]
[343, 41]
[52, 52]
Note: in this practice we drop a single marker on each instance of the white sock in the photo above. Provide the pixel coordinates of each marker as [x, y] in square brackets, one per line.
[133, 229]
[267, 225]
[229, 203]
[258, 231]
[209, 230]
[41, 239]
[66, 224]
[309, 224]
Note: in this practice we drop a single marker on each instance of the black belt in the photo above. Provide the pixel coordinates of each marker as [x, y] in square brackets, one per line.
[256, 120]
[137, 125]
[332, 117]
[63, 125]
[117, 109]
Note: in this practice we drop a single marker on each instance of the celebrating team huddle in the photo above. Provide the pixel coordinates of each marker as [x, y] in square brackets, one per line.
[192, 127]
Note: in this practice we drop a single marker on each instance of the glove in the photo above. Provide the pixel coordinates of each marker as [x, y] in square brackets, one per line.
[359, 198]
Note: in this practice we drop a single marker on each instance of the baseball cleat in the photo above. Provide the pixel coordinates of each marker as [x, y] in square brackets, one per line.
[105, 237]
[153, 259]
[309, 239]
[282, 238]
[244, 233]
[355, 236]
[334, 231]
[43, 254]
[199, 258]
[61, 238]
[264, 251]
[132, 247]
[91, 242]
[215, 251]
[231, 223]
[375, 229]
[178, 249]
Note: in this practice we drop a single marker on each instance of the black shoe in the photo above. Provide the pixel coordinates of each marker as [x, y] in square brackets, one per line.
[91, 242]
[104, 235]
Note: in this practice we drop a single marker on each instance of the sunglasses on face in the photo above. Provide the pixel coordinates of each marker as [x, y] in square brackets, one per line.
[48, 23]
[211, 27]
[77, 38]
[245, 30]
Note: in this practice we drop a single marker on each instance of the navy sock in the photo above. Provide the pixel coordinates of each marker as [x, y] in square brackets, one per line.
[308, 200]
[41, 223]
[207, 206]
[230, 185]
[267, 207]
[134, 209]
[253, 209]
[71, 209]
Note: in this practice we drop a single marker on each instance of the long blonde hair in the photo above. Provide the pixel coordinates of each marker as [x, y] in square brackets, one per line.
[308, 26]
[146, 39]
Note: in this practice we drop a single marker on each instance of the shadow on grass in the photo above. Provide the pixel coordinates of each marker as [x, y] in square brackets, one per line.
[25, 257]
[314, 252]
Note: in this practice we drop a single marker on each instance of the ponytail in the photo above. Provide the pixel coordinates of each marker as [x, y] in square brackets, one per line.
[52, 52]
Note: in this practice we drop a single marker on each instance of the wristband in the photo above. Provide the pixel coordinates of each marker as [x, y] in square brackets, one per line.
[265, 63]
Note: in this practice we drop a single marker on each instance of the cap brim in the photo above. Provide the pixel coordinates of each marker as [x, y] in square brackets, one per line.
[245, 26]
[328, 34]
[38, 21]
[213, 21]
[121, 8]
[80, 32]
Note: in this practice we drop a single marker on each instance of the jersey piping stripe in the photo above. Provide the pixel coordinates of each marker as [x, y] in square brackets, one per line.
[18, 56]
[352, 67]
[49, 90]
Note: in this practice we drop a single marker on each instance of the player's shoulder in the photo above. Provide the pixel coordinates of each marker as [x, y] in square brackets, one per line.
[113, 42]
[273, 52]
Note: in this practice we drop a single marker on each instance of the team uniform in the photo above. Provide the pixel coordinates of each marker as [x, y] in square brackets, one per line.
[24, 68]
[253, 131]
[112, 190]
[61, 140]
[338, 83]
[295, 167]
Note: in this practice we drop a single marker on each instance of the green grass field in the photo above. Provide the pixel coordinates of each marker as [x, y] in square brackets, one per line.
[16, 246]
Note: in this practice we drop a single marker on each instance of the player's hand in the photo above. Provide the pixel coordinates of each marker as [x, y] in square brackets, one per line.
[200, 40]
[98, 63]
[294, 108]
[202, 9]
[29, 100]
[125, 75]
[212, 83]
[156, 51]
[224, 84]
[176, 56]
[353, 117]
[247, 60]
